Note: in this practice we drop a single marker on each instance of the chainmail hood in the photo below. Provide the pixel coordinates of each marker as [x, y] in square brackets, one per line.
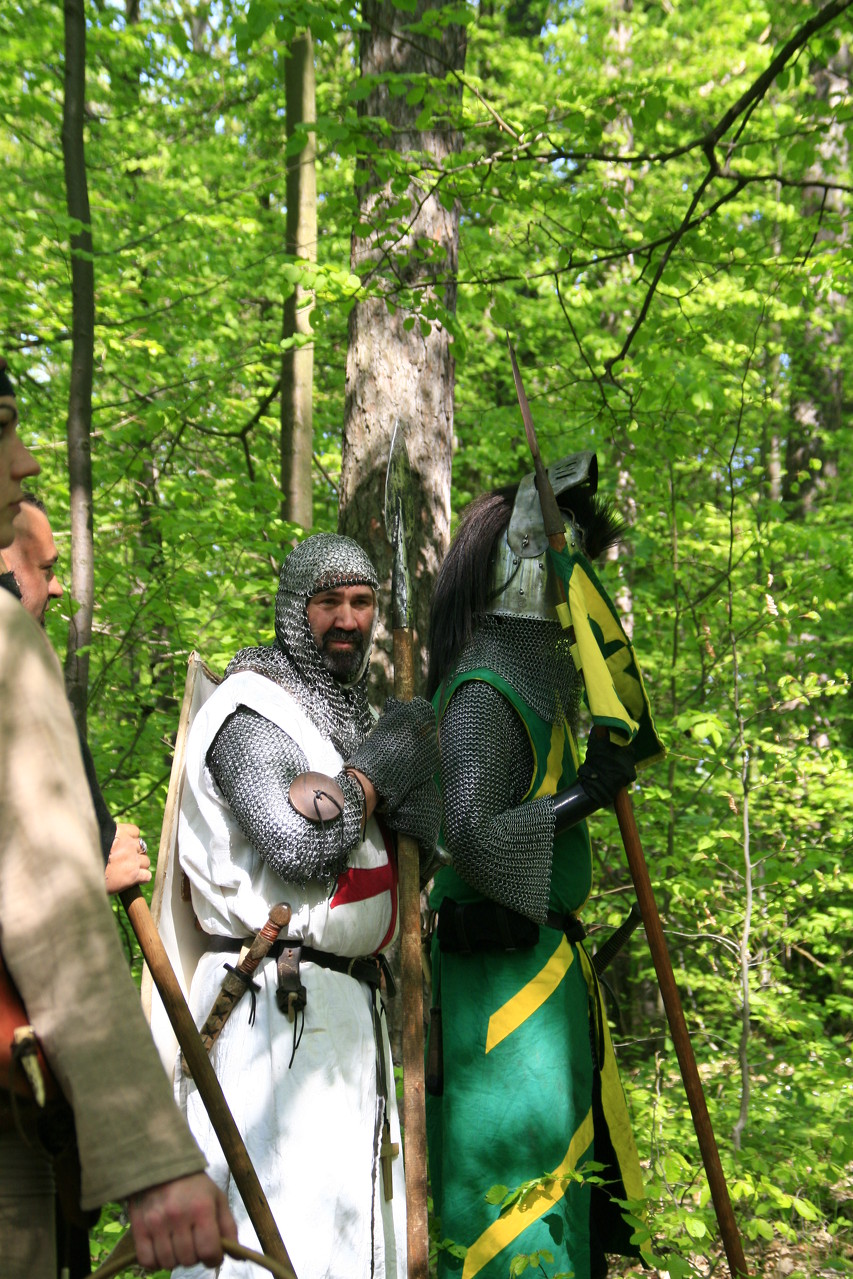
[340, 711]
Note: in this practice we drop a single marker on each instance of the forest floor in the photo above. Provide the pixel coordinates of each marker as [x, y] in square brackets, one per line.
[817, 1256]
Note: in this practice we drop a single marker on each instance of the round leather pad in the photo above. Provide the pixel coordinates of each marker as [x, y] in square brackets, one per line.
[316, 796]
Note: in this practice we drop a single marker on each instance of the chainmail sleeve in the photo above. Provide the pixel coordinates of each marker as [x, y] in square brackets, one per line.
[500, 846]
[253, 762]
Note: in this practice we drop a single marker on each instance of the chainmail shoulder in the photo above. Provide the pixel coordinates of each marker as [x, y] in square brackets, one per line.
[500, 846]
[340, 713]
[534, 657]
[253, 762]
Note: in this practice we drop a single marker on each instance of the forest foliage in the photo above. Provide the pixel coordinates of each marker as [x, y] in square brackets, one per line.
[653, 200]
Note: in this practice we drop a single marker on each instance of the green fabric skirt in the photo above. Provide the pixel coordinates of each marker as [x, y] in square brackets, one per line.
[523, 1102]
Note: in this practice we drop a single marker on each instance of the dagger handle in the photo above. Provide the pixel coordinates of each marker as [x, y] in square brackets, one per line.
[262, 941]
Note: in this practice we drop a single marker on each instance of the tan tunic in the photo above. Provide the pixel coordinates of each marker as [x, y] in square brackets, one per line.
[59, 940]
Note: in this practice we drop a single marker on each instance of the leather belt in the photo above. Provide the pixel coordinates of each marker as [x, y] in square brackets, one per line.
[567, 923]
[366, 968]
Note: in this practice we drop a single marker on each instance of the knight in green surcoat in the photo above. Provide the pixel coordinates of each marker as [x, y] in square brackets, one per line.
[522, 1086]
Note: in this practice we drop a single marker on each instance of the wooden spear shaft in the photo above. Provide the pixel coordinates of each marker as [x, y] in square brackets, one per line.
[195, 1055]
[680, 1036]
[411, 969]
[399, 520]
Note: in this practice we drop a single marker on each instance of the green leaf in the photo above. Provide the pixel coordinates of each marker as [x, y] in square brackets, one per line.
[496, 1194]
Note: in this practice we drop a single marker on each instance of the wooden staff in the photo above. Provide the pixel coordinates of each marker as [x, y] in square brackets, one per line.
[186, 1033]
[398, 520]
[123, 1256]
[554, 531]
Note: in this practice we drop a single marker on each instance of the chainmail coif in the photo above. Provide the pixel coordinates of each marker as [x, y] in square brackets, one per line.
[340, 711]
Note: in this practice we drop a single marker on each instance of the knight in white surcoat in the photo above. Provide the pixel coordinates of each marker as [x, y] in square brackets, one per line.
[293, 793]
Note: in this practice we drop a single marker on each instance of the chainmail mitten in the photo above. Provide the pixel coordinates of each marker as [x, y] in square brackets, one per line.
[606, 769]
[400, 753]
[419, 815]
[253, 762]
[500, 846]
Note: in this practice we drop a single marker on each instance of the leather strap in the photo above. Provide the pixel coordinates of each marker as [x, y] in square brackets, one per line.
[366, 968]
[567, 923]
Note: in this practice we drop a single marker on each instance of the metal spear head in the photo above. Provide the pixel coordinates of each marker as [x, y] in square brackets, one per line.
[399, 519]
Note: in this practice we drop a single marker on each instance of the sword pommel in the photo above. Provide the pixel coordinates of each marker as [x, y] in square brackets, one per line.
[280, 916]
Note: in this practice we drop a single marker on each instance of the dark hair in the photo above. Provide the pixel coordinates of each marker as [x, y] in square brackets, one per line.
[461, 592]
[8, 582]
[30, 499]
[462, 586]
[6, 387]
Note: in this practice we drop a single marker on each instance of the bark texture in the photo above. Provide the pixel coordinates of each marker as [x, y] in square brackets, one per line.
[297, 364]
[397, 372]
[79, 426]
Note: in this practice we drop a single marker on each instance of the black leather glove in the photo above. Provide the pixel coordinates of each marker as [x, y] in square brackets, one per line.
[606, 769]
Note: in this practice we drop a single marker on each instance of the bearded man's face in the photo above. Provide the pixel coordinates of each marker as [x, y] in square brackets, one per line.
[341, 622]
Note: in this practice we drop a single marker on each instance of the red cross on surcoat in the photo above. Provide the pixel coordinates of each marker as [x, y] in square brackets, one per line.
[358, 883]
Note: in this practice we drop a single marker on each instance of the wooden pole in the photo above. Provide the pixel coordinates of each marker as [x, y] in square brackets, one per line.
[411, 970]
[123, 1257]
[202, 1071]
[680, 1036]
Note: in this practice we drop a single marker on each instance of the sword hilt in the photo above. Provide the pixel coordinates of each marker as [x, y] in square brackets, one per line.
[279, 918]
[605, 955]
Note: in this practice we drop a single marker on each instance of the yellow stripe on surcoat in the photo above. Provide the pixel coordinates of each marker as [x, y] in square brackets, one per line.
[531, 996]
[528, 1208]
[554, 763]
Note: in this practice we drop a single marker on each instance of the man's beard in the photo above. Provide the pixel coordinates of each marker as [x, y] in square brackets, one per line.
[9, 582]
[341, 663]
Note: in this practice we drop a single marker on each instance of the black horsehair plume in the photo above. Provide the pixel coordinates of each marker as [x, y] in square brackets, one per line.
[462, 587]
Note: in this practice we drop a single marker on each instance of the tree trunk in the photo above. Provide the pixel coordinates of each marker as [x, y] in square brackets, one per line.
[400, 365]
[818, 402]
[297, 363]
[82, 360]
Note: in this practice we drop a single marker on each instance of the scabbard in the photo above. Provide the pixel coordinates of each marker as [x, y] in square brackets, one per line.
[239, 979]
[604, 956]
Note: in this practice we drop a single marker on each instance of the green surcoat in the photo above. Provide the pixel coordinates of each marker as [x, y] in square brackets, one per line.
[522, 1097]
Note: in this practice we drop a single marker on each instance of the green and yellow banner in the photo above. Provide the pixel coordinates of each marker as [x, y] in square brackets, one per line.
[605, 658]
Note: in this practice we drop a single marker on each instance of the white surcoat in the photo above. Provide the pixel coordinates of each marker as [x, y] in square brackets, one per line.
[309, 1126]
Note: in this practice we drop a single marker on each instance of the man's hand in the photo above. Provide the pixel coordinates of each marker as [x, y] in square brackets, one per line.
[180, 1223]
[128, 862]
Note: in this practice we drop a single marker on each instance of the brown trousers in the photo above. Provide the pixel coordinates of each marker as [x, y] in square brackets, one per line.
[27, 1208]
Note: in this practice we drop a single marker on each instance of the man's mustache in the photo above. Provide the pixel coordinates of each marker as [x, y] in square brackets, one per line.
[337, 633]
